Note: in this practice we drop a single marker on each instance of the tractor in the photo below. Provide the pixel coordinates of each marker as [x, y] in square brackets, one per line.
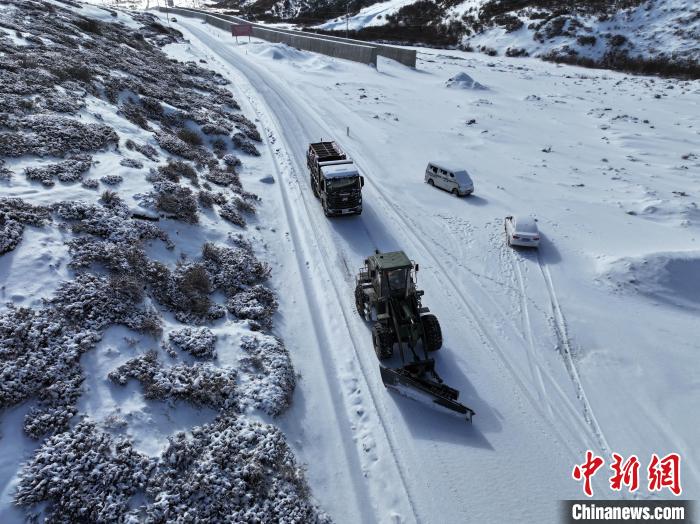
[386, 295]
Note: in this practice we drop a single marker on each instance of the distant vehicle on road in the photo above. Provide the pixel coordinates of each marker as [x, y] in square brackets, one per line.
[522, 231]
[334, 179]
[450, 178]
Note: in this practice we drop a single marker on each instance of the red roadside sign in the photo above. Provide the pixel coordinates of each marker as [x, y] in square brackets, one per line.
[241, 29]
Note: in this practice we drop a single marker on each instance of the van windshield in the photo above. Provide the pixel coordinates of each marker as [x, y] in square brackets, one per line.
[463, 177]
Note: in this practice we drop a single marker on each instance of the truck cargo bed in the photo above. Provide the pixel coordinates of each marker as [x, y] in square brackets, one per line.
[326, 151]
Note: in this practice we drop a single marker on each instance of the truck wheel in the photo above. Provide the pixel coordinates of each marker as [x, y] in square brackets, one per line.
[455, 192]
[383, 342]
[360, 300]
[313, 187]
[433, 333]
[430, 182]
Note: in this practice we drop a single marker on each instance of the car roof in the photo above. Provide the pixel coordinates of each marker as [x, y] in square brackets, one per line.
[525, 223]
[448, 166]
[393, 260]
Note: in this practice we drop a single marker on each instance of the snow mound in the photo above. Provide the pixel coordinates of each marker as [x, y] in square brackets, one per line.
[281, 52]
[671, 277]
[464, 81]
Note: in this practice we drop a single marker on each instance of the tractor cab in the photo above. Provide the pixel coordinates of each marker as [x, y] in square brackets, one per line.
[392, 274]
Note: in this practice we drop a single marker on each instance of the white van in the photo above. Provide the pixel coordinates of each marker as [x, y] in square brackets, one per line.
[455, 180]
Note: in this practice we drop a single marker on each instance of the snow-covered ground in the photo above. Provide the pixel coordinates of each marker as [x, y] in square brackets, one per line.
[589, 343]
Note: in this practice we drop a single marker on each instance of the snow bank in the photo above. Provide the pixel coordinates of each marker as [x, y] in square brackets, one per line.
[464, 81]
[671, 277]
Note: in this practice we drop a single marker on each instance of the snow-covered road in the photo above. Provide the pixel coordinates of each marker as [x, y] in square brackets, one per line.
[538, 381]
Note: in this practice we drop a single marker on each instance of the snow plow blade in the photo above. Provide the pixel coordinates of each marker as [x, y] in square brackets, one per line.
[418, 388]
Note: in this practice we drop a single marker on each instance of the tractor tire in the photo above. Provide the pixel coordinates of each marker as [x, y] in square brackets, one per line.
[360, 300]
[433, 333]
[383, 342]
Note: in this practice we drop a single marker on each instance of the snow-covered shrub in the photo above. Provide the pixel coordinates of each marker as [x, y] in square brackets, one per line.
[232, 470]
[134, 114]
[112, 180]
[231, 161]
[146, 150]
[14, 214]
[176, 201]
[243, 203]
[189, 136]
[229, 212]
[247, 127]
[176, 146]
[51, 135]
[132, 163]
[122, 257]
[111, 223]
[5, 174]
[207, 199]
[90, 183]
[40, 349]
[235, 268]
[175, 169]
[184, 291]
[201, 384]
[271, 380]
[257, 303]
[10, 234]
[85, 475]
[197, 342]
[242, 142]
[222, 177]
[66, 171]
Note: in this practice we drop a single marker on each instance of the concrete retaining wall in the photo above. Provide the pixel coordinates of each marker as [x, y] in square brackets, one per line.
[403, 56]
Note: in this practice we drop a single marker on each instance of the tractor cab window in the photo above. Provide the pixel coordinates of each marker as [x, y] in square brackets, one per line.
[396, 279]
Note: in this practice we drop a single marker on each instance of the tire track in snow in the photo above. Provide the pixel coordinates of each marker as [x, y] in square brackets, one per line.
[564, 343]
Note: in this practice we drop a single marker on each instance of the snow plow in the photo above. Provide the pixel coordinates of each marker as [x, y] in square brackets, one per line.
[386, 295]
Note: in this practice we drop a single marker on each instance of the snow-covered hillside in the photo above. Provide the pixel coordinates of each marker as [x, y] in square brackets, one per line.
[141, 376]
[649, 36]
[589, 343]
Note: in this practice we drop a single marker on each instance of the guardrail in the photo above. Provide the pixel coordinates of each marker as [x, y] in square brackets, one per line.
[403, 56]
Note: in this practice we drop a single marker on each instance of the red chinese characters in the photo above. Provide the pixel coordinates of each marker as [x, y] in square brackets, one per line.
[586, 470]
[665, 473]
[662, 472]
[626, 474]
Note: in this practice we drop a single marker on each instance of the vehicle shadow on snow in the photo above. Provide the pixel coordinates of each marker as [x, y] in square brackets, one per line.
[428, 423]
[475, 200]
[364, 233]
[546, 253]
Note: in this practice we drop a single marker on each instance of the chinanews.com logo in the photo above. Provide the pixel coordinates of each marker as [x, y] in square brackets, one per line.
[628, 475]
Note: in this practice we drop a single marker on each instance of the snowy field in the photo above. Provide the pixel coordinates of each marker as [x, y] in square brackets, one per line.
[590, 343]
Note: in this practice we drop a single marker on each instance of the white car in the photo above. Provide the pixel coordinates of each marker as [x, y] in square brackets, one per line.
[522, 231]
[450, 178]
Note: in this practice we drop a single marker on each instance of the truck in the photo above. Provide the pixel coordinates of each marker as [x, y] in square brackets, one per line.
[334, 179]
